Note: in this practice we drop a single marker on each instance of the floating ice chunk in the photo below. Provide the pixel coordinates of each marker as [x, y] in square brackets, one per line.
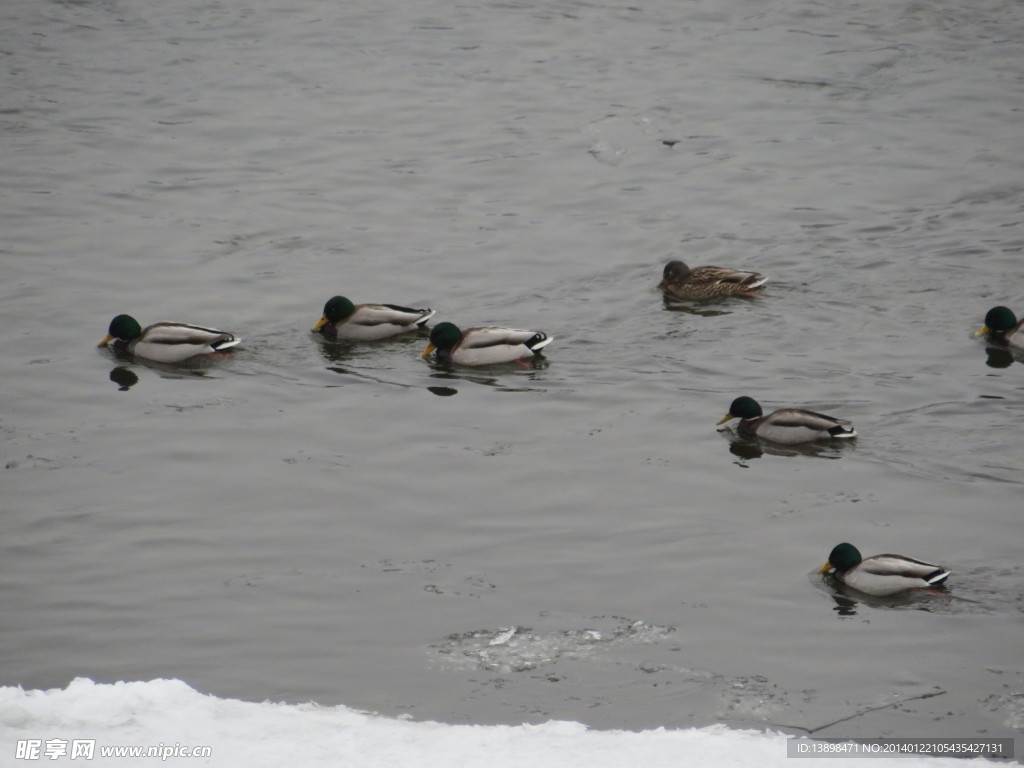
[504, 636]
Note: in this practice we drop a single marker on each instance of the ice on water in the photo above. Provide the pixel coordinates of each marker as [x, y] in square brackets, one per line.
[261, 735]
[518, 649]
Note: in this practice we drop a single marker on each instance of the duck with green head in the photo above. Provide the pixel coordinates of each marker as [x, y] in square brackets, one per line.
[343, 320]
[484, 345]
[881, 575]
[708, 282]
[167, 342]
[1002, 326]
[786, 425]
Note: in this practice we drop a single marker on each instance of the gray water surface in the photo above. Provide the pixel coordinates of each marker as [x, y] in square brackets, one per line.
[573, 540]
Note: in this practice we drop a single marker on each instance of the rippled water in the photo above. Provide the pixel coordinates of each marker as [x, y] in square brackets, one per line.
[351, 524]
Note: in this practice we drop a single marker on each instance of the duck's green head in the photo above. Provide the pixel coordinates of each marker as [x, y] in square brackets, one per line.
[743, 408]
[337, 308]
[999, 319]
[843, 557]
[124, 327]
[442, 336]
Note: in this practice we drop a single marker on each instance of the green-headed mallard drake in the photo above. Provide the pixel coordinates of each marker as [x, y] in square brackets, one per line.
[368, 322]
[1002, 325]
[708, 282]
[786, 425]
[484, 345]
[881, 574]
[166, 342]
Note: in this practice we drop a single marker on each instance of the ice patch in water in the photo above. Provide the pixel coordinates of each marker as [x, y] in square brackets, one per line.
[1010, 705]
[519, 649]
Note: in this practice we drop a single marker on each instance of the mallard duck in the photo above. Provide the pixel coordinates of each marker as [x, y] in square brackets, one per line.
[368, 322]
[484, 345]
[166, 342]
[708, 282]
[881, 574]
[786, 425]
[1003, 326]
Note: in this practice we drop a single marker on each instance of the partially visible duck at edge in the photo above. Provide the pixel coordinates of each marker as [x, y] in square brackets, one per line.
[1002, 326]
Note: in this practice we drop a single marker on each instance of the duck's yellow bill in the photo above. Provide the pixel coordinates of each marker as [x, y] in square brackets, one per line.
[320, 323]
[430, 348]
[826, 567]
[984, 329]
[110, 338]
[727, 417]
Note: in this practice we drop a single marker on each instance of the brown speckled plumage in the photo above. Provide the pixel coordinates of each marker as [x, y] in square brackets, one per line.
[708, 282]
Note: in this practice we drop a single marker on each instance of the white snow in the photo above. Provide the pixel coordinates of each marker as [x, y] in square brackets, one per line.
[168, 714]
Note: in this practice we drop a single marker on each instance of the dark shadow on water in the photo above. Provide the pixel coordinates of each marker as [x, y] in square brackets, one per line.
[443, 391]
[125, 378]
[1002, 357]
[746, 449]
[750, 448]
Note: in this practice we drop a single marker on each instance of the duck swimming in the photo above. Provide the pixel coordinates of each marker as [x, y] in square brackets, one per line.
[484, 345]
[881, 575]
[786, 425]
[708, 282]
[166, 342]
[343, 320]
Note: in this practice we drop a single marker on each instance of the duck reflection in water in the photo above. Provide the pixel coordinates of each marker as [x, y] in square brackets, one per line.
[514, 382]
[675, 304]
[750, 448]
[847, 600]
[125, 378]
[1002, 357]
[336, 352]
